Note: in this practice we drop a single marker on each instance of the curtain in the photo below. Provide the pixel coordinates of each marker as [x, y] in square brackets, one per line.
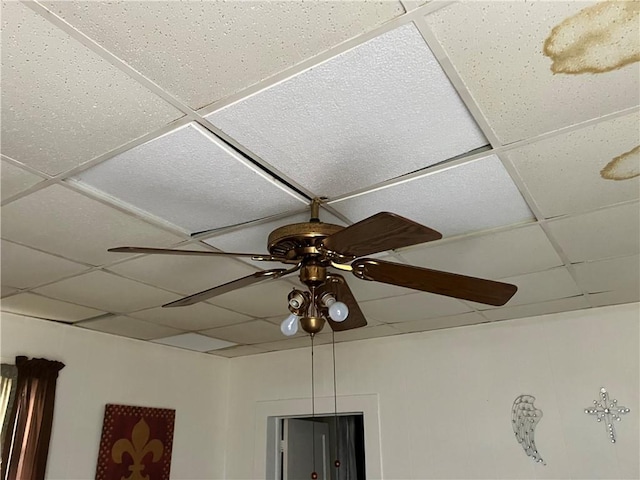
[8, 378]
[26, 445]
[346, 432]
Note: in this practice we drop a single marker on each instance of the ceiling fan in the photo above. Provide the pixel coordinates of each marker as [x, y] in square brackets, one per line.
[317, 250]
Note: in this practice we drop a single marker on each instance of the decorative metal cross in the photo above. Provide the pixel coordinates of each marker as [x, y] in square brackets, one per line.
[609, 410]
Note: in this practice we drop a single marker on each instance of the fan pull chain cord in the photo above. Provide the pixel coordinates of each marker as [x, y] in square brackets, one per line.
[314, 474]
[335, 401]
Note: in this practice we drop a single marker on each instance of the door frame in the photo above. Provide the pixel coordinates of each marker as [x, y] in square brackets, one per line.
[268, 414]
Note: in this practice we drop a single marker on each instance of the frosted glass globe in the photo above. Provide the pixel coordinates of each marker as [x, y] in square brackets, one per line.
[338, 312]
[289, 325]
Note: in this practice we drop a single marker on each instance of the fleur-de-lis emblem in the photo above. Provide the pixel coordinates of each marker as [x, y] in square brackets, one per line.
[137, 450]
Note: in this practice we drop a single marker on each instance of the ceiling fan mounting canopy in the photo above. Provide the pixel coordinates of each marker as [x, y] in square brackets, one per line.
[315, 248]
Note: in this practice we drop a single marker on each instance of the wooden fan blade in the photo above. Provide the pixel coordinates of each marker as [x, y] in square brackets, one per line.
[378, 233]
[435, 281]
[228, 287]
[169, 251]
[337, 285]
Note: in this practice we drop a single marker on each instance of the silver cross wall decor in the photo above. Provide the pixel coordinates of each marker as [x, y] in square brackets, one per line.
[607, 410]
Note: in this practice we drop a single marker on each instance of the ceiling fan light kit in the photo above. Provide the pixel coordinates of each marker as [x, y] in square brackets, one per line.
[317, 250]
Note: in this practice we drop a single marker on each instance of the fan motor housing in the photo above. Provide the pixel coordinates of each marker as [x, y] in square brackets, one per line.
[298, 240]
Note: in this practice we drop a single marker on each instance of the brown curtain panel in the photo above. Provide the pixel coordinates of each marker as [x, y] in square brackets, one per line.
[26, 444]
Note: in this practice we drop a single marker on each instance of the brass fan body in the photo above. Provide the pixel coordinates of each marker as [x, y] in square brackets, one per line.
[301, 243]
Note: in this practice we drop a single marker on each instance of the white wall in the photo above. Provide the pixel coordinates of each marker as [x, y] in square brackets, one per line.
[444, 398]
[101, 369]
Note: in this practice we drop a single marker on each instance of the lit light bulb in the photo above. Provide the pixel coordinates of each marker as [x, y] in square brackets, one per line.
[289, 325]
[338, 312]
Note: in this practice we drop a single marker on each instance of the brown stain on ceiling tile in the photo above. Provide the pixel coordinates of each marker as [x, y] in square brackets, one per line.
[623, 167]
[598, 39]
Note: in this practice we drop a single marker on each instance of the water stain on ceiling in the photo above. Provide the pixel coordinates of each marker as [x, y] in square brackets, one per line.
[623, 167]
[598, 39]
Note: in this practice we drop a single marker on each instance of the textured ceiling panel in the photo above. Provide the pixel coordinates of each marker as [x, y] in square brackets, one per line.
[15, 180]
[204, 51]
[569, 173]
[194, 341]
[492, 255]
[107, 292]
[67, 223]
[129, 327]
[378, 111]
[614, 297]
[474, 196]
[248, 333]
[23, 267]
[238, 351]
[376, 331]
[528, 69]
[266, 299]
[542, 308]
[464, 319]
[610, 232]
[417, 306]
[183, 274]
[41, 307]
[200, 316]
[192, 180]
[622, 273]
[538, 287]
[62, 104]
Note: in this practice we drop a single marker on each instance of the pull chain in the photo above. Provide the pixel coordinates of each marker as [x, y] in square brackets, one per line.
[335, 401]
[314, 474]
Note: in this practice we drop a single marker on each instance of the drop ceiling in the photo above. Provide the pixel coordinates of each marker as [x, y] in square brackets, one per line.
[207, 125]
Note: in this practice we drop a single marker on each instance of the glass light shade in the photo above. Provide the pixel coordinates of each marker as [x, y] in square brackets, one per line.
[338, 312]
[289, 325]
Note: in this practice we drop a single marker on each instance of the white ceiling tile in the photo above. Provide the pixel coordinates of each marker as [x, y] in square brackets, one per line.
[538, 287]
[61, 103]
[497, 48]
[542, 308]
[610, 232]
[493, 255]
[107, 292]
[237, 351]
[194, 341]
[192, 180]
[365, 333]
[614, 297]
[471, 318]
[6, 290]
[67, 223]
[253, 239]
[42, 307]
[367, 115]
[416, 306]
[129, 327]
[200, 316]
[24, 267]
[15, 180]
[183, 274]
[257, 331]
[288, 343]
[622, 273]
[563, 173]
[266, 299]
[204, 51]
[477, 195]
